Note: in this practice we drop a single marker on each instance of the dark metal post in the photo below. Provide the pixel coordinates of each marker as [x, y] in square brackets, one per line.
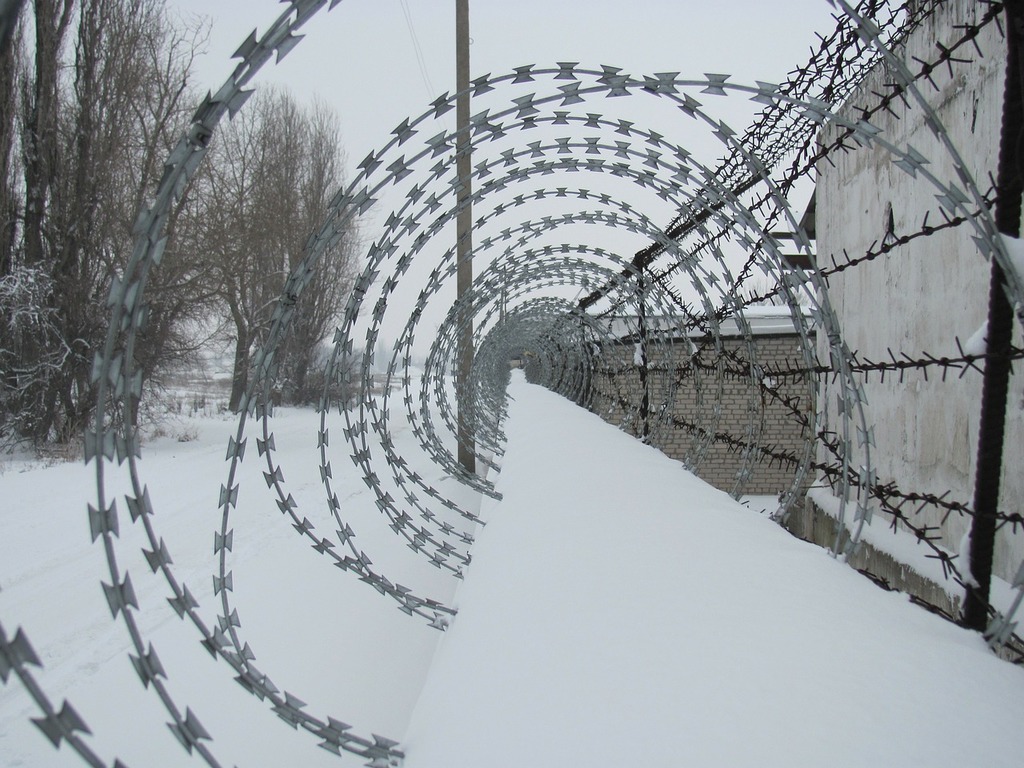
[464, 226]
[1000, 328]
[645, 397]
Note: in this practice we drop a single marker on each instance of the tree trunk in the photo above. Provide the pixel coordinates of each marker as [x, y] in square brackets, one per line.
[240, 370]
[8, 198]
[41, 160]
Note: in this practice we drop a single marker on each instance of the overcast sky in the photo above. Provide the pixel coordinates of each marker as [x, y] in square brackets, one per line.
[377, 62]
[362, 60]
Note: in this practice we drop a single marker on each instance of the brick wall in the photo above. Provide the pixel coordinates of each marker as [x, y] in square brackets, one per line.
[686, 399]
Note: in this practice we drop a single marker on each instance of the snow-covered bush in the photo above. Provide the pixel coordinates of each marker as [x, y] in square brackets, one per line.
[31, 351]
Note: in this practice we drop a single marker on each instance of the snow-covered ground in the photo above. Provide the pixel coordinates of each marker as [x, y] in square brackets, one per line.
[318, 632]
[618, 612]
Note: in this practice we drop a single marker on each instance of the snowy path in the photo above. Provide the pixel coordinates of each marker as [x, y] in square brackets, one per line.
[619, 612]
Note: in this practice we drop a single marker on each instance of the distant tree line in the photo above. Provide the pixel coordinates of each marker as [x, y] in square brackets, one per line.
[93, 94]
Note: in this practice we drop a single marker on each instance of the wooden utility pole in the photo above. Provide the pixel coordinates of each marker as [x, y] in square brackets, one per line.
[464, 229]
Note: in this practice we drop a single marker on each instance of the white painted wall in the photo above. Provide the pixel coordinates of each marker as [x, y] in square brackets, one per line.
[923, 295]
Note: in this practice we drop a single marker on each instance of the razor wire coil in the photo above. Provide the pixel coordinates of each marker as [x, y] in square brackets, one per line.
[527, 299]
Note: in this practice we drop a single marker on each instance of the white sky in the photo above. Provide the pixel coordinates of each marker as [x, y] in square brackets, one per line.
[360, 59]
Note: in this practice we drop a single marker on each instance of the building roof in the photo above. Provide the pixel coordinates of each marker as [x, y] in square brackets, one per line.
[763, 321]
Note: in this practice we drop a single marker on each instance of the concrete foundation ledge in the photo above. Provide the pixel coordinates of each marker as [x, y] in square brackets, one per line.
[895, 560]
[812, 522]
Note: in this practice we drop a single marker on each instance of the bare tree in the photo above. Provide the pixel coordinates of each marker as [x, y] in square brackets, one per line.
[271, 176]
[102, 97]
[90, 107]
[330, 286]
